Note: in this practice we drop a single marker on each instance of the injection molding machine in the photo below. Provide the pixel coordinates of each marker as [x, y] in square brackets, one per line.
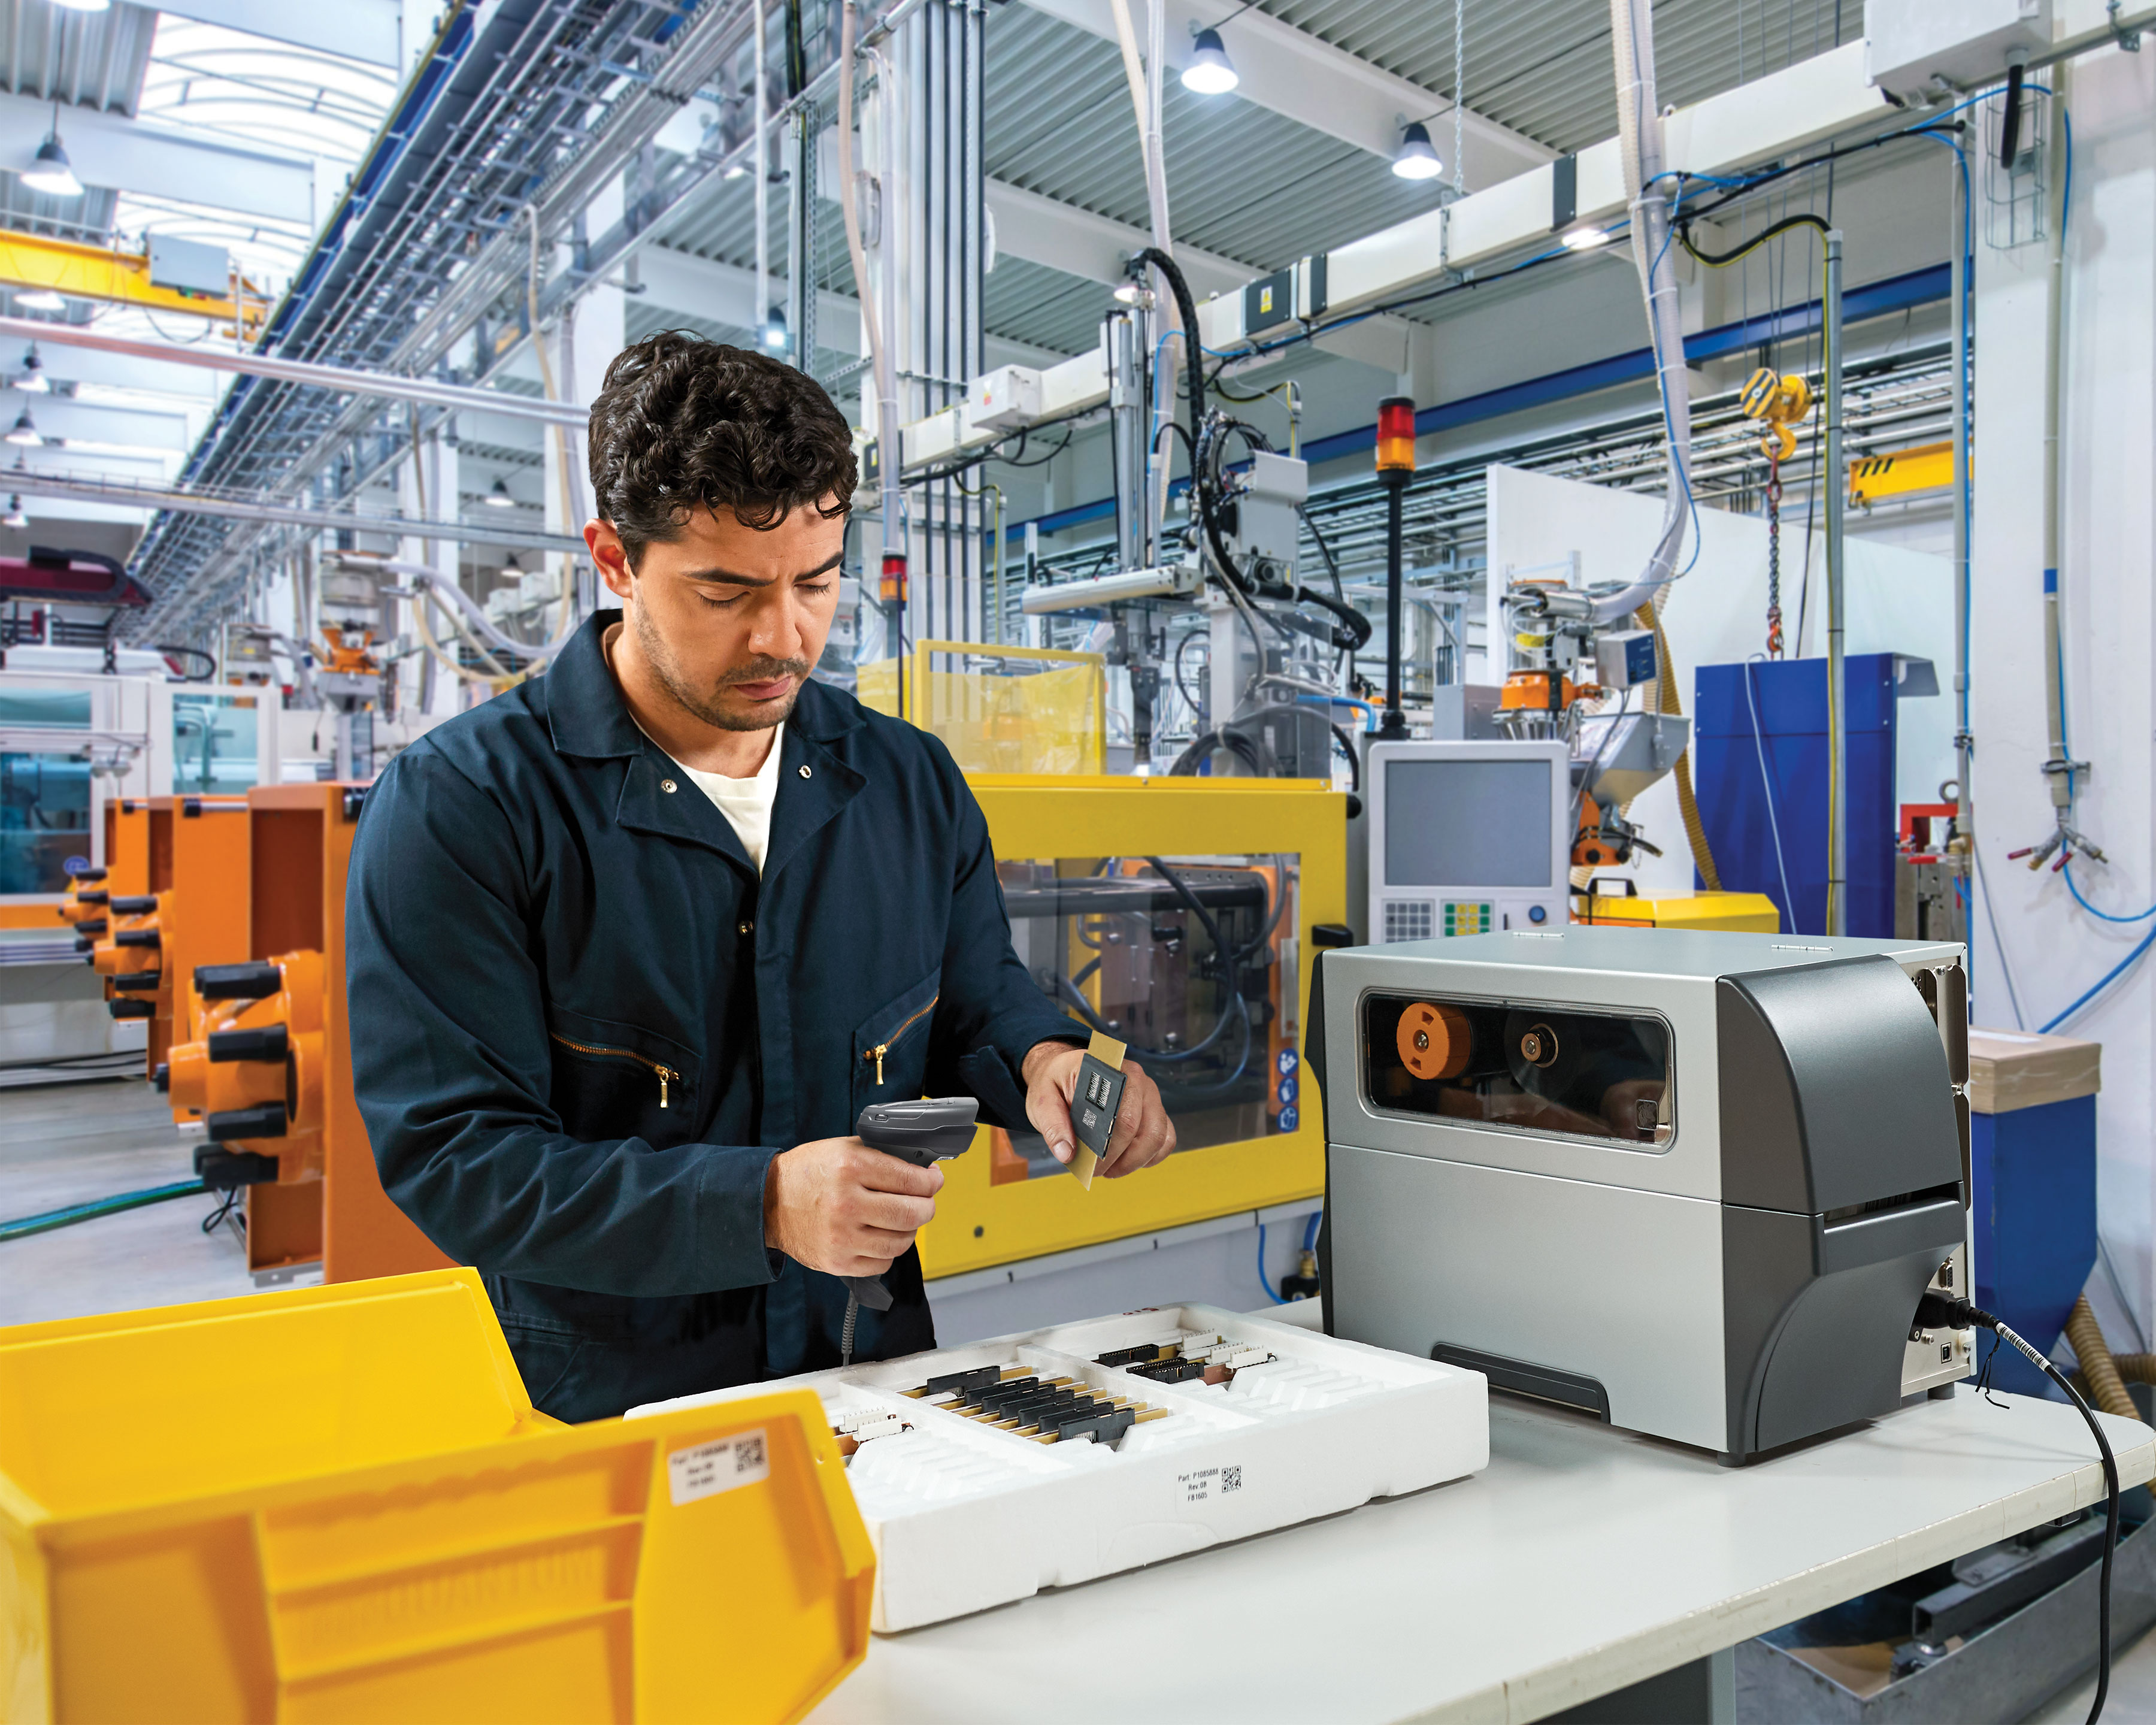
[1694, 1183]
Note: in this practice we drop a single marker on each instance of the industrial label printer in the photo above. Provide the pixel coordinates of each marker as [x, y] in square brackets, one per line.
[1693, 1183]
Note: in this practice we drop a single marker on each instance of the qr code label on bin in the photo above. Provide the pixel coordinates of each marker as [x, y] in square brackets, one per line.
[709, 1469]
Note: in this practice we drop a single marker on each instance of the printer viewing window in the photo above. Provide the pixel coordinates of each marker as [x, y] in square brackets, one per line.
[1468, 823]
[1591, 1075]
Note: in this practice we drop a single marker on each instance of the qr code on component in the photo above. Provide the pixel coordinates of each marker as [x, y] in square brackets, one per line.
[748, 1453]
[1231, 1480]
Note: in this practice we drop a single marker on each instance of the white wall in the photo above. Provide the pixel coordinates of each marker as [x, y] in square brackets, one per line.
[2107, 558]
[1899, 601]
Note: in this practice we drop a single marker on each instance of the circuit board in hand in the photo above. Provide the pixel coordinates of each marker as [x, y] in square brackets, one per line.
[1100, 1081]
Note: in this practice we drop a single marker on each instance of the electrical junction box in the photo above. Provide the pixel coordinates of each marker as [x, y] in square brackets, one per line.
[1268, 510]
[1625, 660]
[1005, 399]
[187, 266]
[1910, 43]
[988, 1472]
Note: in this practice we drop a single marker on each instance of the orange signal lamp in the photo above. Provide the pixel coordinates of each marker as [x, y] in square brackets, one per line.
[1396, 438]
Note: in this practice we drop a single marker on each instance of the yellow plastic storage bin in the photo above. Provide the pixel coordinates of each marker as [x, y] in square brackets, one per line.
[338, 1504]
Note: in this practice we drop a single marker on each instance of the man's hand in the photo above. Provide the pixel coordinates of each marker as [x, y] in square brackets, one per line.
[837, 1206]
[1144, 1133]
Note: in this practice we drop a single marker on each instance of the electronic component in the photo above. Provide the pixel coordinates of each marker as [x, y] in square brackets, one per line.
[1100, 1081]
[1747, 1152]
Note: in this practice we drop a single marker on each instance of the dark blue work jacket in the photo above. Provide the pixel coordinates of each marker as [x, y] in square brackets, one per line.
[582, 1026]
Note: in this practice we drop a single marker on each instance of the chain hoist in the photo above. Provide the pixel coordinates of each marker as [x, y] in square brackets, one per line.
[1780, 403]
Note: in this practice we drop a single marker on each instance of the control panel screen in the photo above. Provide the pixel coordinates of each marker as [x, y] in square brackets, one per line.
[1467, 823]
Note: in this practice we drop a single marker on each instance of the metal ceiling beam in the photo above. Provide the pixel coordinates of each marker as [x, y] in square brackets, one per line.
[369, 30]
[380, 385]
[33, 484]
[1326, 88]
[108, 149]
[1045, 230]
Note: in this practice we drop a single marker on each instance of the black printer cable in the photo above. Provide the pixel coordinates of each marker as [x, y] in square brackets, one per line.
[1936, 1311]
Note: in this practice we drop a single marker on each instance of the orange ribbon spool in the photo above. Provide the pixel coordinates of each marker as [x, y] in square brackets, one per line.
[1434, 1041]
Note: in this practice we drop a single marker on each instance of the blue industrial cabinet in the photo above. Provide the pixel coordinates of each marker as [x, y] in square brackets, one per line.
[1790, 697]
[2032, 1212]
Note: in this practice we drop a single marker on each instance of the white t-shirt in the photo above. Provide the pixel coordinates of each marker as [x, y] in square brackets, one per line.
[745, 803]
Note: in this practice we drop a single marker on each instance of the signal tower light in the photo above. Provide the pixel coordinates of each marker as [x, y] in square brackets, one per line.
[1396, 460]
[1396, 440]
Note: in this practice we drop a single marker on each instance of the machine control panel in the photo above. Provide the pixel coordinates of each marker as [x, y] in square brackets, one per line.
[1468, 838]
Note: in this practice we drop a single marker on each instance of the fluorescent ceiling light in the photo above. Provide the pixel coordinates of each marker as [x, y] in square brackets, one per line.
[25, 432]
[82, 5]
[39, 299]
[1210, 72]
[1417, 157]
[50, 172]
[1586, 237]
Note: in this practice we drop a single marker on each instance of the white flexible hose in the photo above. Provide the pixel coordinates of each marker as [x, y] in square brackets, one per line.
[1639, 145]
[1145, 106]
[420, 575]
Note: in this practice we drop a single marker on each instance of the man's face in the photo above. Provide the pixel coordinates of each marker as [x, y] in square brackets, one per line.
[730, 618]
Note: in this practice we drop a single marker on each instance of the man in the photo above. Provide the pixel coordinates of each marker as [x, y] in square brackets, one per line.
[631, 946]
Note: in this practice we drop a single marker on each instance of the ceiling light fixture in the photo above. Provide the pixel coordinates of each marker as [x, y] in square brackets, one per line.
[83, 5]
[739, 171]
[1417, 157]
[49, 170]
[1210, 72]
[499, 497]
[39, 299]
[25, 432]
[32, 380]
[774, 331]
[1585, 237]
[14, 517]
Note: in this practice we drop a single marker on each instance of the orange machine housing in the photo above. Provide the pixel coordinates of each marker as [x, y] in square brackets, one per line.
[273, 1056]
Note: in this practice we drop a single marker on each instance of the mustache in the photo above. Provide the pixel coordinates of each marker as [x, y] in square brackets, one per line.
[765, 671]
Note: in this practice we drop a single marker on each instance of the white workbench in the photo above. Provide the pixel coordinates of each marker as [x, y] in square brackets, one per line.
[1584, 1560]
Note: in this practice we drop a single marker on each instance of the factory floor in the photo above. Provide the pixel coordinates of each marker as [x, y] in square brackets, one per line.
[66, 1144]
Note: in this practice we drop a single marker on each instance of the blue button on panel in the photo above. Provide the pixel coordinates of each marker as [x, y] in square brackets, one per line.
[1536, 913]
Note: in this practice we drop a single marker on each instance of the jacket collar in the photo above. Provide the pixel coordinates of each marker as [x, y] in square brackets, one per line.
[585, 711]
[586, 716]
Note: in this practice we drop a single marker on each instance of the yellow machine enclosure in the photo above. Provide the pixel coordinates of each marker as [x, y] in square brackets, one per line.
[980, 1222]
[1743, 912]
[336, 1503]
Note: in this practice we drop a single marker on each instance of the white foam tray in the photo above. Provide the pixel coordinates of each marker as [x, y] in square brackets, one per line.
[964, 1517]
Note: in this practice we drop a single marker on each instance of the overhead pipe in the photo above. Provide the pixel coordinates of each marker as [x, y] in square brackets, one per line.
[426, 391]
[1836, 479]
[1640, 147]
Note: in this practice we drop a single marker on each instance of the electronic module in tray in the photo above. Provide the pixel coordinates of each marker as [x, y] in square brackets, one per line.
[988, 1472]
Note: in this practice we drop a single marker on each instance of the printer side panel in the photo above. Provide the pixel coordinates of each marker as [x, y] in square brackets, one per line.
[1841, 1182]
[1603, 1297]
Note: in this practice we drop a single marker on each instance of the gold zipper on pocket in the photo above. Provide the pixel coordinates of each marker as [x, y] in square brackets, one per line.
[665, 1075]
[883, 1048]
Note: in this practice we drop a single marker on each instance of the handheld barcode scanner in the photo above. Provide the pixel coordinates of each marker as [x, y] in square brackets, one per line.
[933, 1129]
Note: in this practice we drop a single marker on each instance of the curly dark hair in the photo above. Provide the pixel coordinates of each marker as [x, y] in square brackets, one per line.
[682, 422]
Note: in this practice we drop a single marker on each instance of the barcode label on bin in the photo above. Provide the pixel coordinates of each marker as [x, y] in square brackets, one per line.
[709, 1469]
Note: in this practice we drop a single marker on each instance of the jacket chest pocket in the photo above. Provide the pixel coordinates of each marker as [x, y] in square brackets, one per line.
[616, 1081]
[891, 1047]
